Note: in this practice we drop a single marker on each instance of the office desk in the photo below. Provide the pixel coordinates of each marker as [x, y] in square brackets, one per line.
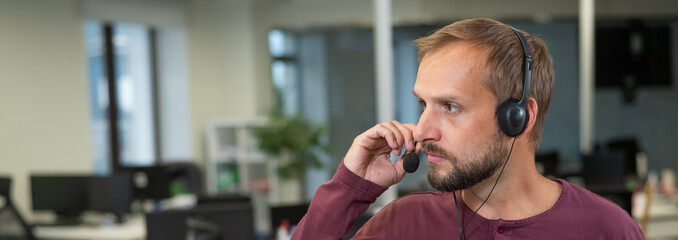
[132, 229]
[663, 223]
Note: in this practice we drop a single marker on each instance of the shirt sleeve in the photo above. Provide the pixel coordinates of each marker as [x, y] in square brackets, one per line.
[635, 232]
[335, 206]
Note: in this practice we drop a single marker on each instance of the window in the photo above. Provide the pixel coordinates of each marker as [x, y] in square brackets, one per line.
[284, 71]
[98, 89]
[122, 95]
[133, 66]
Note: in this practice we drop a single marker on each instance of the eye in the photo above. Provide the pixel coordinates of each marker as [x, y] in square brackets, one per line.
[422, 104]
[451, 107]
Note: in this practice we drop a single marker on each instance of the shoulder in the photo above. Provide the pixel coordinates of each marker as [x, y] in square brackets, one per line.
[577, 196]
[416, 202]
[598, 212]
[419, 201]
[415, 205]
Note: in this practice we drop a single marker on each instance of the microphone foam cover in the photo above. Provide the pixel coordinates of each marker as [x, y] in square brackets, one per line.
[411, 162]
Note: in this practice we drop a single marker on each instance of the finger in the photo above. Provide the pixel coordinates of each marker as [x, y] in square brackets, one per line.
[383, 132]
[399, 167]
[376, 134]
[417, 145]
[400, 139]
[391, 125]
[407, 135]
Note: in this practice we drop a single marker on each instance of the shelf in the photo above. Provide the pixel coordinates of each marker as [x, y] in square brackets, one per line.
[234, 164]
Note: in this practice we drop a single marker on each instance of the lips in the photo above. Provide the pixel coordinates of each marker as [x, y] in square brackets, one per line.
[435, 158]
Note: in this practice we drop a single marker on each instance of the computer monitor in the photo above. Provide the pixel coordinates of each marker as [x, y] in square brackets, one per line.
[65, 195]
[630, 148]
[604, 169]
[222, 200]
[5, 186]
[149, 182]
[232, 222]
[110, 194]
[293, 214]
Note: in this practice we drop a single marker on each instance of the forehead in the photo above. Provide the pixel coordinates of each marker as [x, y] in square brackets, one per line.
[456, 70]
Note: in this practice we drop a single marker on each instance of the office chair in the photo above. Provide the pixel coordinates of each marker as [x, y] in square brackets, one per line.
[604, 174]
[202, 229]
[222, 223]
[13, 214]
[548, 163]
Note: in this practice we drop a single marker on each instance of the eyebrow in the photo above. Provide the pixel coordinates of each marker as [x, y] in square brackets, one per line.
[443, 98]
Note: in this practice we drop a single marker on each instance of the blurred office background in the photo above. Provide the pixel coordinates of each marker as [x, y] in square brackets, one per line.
[188, 81]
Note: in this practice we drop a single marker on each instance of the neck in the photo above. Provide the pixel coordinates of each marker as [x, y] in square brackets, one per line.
[520, 191]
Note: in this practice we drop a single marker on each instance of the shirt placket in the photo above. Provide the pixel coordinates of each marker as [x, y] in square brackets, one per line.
[499, 230]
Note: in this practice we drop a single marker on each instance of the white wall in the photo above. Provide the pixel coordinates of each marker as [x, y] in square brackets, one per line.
[221, 65]
[159, 13]
[44, 105]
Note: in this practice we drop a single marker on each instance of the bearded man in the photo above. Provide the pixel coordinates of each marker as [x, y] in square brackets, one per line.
[484, 88]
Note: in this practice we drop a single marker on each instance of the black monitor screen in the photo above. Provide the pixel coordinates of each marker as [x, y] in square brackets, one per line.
[110, 194]
[633, 54]
[604, 169]
[62, 194]
[149, 182]
[291, 213]
[4, 187]
[630, 148]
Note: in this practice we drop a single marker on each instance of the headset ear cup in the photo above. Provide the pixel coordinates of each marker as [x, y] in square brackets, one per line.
[511, 118]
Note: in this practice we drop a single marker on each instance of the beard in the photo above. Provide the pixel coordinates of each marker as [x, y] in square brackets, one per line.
[474, 166]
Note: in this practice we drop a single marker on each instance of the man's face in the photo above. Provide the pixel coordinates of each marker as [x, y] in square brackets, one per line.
[457, 128]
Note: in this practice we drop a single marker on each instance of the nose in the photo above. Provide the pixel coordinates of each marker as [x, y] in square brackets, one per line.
[427, 129]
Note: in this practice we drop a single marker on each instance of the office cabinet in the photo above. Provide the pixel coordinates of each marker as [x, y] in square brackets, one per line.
[234, 165]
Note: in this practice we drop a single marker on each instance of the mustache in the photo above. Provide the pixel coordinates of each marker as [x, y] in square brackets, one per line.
[430, 148]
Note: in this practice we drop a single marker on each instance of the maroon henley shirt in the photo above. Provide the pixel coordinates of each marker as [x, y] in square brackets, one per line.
[577, 214]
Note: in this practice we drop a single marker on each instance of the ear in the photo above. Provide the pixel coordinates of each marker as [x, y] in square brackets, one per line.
[532, 116]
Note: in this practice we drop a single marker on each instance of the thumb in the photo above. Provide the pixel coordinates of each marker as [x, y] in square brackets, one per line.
[398, 165]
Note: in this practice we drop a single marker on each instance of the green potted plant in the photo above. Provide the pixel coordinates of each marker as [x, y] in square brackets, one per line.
[294, 142]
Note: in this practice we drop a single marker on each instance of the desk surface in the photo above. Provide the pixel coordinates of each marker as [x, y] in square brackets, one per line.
[663, 217]
[132, 229]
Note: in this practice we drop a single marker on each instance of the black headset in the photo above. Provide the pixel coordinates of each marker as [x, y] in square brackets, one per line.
[512, 114]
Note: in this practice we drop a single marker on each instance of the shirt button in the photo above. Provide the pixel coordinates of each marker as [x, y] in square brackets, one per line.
[500, 229]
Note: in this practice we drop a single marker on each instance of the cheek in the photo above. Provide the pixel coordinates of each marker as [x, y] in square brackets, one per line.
[468, 132]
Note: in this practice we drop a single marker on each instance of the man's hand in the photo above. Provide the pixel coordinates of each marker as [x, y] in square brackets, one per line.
[369, 155]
